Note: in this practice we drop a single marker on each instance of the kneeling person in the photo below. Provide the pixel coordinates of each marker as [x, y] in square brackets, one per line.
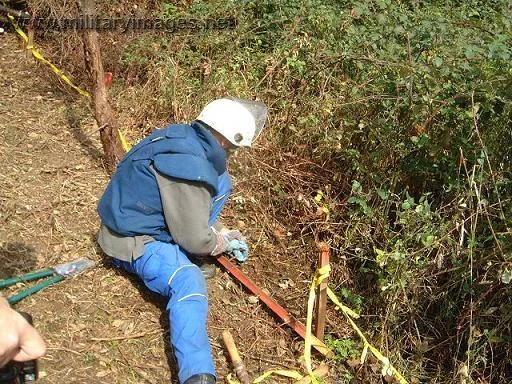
[160, 209]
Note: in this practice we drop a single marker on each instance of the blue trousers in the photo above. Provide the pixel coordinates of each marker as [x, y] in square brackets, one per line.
[165, 269]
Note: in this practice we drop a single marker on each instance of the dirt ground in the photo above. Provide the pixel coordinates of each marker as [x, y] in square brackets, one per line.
[103, 326]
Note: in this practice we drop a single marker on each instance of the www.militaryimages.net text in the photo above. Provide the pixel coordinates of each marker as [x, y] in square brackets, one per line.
[126, 24]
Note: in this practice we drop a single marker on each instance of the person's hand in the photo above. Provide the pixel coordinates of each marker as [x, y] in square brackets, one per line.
[231, 242]
[19, 341]
[238, 249]
[232, 234]
[236, 244]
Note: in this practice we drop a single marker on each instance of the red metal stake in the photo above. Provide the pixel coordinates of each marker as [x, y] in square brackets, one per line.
[287, 318]
[321, 303]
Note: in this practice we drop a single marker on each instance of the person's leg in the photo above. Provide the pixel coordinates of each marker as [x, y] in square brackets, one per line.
[166, 269]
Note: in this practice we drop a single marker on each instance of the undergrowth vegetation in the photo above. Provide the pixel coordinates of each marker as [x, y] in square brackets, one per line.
[405, 110]
[389, 138]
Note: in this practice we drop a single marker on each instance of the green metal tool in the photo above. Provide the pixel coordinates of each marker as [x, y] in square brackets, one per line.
[56, 274]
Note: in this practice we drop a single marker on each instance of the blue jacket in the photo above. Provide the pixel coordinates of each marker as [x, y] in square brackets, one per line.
[131, 204]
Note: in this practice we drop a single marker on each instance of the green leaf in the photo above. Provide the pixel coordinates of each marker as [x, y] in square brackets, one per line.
[319, 196]
[408, 203]
[356, 187]
[381, 257]
[397, 256]
[428, 240]
[354, 200]
[506, 276]
[383, 194]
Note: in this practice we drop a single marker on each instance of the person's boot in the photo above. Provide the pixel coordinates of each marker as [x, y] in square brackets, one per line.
[202, 378]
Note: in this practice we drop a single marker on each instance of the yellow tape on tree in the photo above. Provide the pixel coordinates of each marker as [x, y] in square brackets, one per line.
[338, 303]
[40, 57]
[124, 143]
[320, 275]
[58, 72]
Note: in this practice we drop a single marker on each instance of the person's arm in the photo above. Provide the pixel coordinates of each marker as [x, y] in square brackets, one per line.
[187, 208]
[19, 341]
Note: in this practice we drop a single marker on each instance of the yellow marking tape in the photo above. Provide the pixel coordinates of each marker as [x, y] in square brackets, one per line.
[280, 372]
[320, 275]
[40, 57]
[124, 143]
[387, 369]
[58, 72]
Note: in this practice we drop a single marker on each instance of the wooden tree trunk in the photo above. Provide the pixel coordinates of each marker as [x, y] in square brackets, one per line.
[103, 112]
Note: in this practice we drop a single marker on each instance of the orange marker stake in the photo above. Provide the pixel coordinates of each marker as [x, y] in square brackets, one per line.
[238, 365]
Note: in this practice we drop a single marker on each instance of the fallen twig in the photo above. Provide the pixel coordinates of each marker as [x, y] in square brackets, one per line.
[133, 336]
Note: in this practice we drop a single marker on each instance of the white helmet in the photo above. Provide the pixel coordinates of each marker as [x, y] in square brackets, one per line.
[238, 120]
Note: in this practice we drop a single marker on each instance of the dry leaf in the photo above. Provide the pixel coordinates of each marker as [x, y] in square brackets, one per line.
[390, 379]
[354, 363]
[102, 373]
[207, 68]
[278, 234]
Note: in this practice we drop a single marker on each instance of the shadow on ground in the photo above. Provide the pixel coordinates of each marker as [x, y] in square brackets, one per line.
[16, 258]
[75, 117]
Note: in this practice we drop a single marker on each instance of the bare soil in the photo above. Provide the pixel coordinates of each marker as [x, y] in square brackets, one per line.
[103, 326]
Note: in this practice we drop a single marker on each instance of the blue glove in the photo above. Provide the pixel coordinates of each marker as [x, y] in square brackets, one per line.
[239, 249]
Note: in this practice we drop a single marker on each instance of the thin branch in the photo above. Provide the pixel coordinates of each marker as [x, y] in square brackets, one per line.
[133, 336]
[491, 172]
